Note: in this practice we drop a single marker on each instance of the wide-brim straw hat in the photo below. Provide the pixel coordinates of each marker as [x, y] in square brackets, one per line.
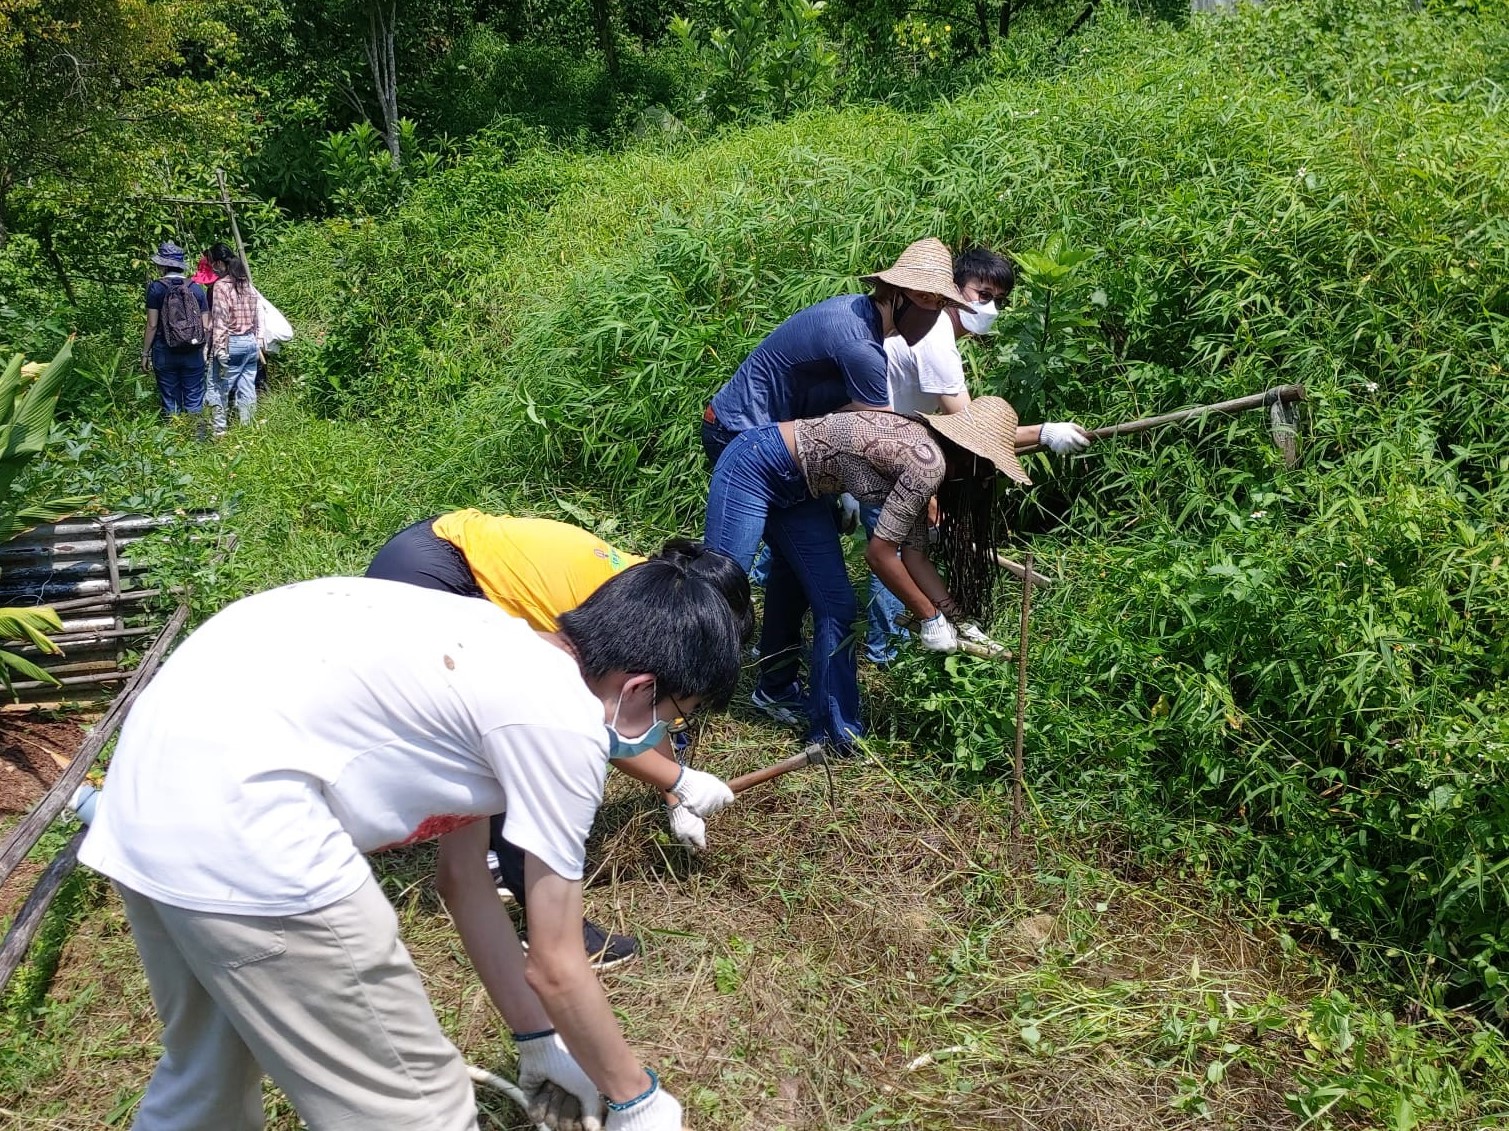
[925, 266]
[988, 429]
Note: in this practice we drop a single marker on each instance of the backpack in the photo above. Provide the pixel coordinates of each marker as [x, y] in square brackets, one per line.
[181, 319]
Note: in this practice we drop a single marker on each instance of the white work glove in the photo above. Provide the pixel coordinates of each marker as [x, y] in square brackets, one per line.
[543, 1061]
[704, 794]
[657, 1111]
[848, 513]
[687, 827]
[1061, 438]
[975, 635]
[938, 635]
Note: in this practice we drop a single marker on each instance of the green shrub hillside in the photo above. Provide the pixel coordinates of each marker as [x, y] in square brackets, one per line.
[1295, 678]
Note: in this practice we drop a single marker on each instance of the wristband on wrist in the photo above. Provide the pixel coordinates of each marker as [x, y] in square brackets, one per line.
[520, 1038]
[639, 1099]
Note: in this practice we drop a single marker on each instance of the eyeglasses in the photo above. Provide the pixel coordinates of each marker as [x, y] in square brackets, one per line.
[683, 720]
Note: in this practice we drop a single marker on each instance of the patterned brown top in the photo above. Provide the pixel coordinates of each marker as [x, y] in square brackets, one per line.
[878, 457]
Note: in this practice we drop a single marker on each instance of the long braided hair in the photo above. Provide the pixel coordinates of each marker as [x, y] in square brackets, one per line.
[970, 527]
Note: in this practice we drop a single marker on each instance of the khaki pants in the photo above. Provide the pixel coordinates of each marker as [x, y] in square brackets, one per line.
[327, 1003]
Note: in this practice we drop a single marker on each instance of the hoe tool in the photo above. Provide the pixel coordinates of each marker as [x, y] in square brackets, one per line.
[813, 755]
[1282, 423]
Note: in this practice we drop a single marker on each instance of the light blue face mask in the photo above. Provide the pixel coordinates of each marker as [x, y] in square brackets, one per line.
[621, 747]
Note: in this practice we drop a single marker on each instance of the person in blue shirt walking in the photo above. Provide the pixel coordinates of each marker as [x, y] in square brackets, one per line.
[176, 335]
[826, 358]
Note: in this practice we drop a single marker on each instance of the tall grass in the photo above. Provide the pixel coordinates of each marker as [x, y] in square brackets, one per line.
[1293, 677]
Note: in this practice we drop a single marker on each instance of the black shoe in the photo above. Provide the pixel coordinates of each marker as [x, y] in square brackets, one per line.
[604, 950]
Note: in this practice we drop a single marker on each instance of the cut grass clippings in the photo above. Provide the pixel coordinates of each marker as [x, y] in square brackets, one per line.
[900, 960]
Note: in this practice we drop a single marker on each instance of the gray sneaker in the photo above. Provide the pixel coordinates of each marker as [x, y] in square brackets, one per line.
[787, 712]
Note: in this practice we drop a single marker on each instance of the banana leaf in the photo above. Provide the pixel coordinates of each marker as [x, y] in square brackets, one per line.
[27, 624]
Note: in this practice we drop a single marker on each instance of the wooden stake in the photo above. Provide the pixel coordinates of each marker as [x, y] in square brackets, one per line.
[1018, 806]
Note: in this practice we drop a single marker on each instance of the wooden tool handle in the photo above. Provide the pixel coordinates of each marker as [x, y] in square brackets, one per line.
[758, 777]
[1284, 394]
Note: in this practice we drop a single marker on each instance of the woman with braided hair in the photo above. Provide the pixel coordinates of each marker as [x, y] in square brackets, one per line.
[770, 484]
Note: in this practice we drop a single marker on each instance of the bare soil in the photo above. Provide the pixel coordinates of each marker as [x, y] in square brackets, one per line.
[33, 751]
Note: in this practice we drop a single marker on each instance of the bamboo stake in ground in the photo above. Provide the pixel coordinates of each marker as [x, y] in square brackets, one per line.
[1017, 804]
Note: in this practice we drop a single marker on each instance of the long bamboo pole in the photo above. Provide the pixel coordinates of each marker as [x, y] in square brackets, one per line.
[225, 199]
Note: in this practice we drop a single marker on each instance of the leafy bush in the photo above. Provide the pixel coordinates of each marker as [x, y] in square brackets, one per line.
[28, 399]
[772, 58]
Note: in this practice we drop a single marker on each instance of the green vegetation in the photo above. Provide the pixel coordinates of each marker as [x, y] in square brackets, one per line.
[1283, 686]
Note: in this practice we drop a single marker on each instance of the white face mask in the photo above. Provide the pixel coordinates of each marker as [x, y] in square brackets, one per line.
[979, 317]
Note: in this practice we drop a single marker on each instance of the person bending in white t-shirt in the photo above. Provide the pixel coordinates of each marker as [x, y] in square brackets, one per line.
[929, 377]
[370, 714]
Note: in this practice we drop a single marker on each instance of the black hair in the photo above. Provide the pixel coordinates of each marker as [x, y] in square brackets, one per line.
[700, 560]
[969, 530]
[662, 618]
[220, 253]
[236, 272]
[986, 266]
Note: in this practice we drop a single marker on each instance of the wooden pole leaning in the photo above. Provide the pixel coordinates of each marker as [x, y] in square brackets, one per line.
[27, 922]
[53, 802]
[225, 200]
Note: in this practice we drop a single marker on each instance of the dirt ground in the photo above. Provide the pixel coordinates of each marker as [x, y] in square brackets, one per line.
[895, 960]
[33, 751]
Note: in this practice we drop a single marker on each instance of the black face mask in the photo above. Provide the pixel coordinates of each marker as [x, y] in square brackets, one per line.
[912, 321]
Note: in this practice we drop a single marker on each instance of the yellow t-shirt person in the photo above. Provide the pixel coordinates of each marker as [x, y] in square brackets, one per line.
[532, 567]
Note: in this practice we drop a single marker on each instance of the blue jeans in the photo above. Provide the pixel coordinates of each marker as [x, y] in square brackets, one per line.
[884, 608]
[180, 378]
[239, 375]
[758, 490]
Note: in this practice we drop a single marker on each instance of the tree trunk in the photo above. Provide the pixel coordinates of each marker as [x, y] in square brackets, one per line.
[602, 21]
[382, 27]
[982, 14]
[55, 261]
[1006, 14]
[1080, 21]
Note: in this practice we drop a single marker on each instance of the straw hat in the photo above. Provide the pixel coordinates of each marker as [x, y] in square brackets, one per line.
[925, 266]
[988, 429]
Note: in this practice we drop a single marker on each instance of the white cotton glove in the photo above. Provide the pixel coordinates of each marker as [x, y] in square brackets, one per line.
[658, 1111]
[848, 513]
[1061, 438]
[544, 1061]
[938, 635]
[704, 794]
[687, 827]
